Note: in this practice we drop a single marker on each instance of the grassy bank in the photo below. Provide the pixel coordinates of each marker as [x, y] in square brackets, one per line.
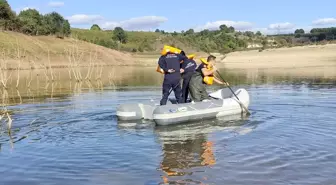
[26, 52]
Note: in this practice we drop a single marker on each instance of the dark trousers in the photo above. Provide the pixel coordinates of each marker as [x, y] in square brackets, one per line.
[197, 88]
[185, 86]
[167, 85]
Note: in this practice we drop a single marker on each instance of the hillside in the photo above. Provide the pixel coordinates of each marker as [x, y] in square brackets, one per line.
[137, 41]
[33, 52]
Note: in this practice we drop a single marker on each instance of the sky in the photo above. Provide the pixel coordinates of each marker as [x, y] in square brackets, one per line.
[269, 17]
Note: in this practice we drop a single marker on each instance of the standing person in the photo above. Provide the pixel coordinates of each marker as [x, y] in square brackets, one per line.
[170, 64]
[189, 66]
[204, 75]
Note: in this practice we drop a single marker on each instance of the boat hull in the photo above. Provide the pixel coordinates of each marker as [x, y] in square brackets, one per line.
[222, 105]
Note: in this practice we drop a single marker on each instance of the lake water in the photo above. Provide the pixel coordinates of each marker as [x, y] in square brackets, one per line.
[64, 132]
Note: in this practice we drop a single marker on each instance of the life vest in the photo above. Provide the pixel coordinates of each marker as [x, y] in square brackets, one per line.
[170, 49]
[164, 51]
[207, 79]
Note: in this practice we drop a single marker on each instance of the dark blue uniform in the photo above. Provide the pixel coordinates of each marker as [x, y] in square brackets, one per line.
[171, 80]
[189, 67]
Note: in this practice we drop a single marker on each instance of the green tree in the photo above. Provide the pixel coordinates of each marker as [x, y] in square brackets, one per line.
[120, 35]
[299, 31]
[224, 28]
[53, 23]
[249, 33]
[6, 14]
[258, 33]
[31, 21]
[66, 31]
[204, 33]
[189, 32]
[264, 43]
[95, 27]
[231, 29]
[157, 31]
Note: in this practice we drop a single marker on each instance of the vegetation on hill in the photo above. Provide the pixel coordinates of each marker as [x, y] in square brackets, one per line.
[31, 22]
[225, 39]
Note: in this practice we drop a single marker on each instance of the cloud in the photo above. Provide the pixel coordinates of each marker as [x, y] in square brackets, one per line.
[137, 23]
[18, 10]
[238, 25]
[84, 19]
[56, 4]
[324, 21]
[281, 26]
[274, 28]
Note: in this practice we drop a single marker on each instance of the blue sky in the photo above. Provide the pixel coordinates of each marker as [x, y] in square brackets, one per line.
[266, 16]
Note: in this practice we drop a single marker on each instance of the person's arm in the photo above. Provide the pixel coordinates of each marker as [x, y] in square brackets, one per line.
[219, 81]
[163, 64]
[207, 72]
[182, 58]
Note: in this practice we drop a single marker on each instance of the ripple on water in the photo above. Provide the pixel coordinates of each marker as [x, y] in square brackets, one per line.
[288, 139]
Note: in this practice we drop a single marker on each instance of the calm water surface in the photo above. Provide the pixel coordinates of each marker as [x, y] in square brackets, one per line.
[68, 138]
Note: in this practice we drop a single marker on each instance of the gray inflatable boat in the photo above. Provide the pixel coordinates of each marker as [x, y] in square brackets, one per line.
[221, 103]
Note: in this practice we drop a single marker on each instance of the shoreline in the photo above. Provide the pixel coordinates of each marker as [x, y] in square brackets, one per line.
[302, 58]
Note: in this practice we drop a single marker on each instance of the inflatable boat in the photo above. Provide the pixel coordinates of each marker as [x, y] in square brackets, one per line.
[220, 103]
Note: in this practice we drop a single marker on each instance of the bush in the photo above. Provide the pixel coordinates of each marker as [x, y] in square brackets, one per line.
[32, 22]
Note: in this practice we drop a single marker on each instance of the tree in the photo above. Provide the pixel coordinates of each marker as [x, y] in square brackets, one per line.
[299, 31]
[190, 32]
[31, 20]
[231, 29]
[204, 32]
[120, 35]
[157, 31]
[249, 33]
[54, 23]
[7, 16]
[258, 33]
[95, 27]
[224, 28]
[6, 12]
[264, 43]
[66, 28]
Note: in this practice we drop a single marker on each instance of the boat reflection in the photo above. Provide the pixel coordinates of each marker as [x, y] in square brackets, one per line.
[188, 148]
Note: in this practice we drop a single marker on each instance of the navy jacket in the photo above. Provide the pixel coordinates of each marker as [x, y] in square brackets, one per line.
[171, 61]
[189, 65]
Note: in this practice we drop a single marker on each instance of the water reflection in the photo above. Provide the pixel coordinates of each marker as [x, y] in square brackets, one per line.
[41, 84]
[36, 86]
[188, 148]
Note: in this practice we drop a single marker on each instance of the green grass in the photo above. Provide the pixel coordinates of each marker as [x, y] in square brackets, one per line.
[150, 42]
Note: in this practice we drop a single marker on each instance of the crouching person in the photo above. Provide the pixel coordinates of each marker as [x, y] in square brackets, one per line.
[203, 76]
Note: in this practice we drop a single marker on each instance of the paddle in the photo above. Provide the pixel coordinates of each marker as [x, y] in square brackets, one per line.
[247, 111]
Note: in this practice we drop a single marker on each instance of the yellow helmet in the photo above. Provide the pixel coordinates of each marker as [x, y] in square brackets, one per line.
[204, 61]
[171, 49]
[191, 56]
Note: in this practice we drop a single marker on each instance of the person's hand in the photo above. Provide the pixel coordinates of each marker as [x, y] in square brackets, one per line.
[226, 83]
[171, 70]
[181, 70]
